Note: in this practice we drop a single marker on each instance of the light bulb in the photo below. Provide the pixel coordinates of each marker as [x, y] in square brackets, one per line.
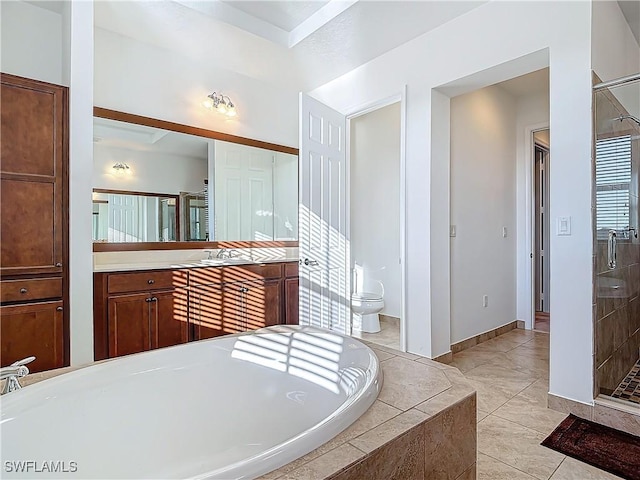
[222, 107]
[208, 103]
[232, 111]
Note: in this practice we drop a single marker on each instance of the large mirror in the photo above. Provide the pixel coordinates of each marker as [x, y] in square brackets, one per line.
[156, 184]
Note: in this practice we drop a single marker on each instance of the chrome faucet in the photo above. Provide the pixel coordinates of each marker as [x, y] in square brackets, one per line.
[13, 372]
[224, 253]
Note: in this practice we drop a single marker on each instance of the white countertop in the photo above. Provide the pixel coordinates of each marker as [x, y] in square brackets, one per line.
[119, 267]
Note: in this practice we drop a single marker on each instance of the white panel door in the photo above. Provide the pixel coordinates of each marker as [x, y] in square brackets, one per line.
[324, 250]
[243, 193]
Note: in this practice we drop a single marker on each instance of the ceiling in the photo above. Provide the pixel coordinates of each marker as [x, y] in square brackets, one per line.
[631, 11]
[529, 84]
[298, 45]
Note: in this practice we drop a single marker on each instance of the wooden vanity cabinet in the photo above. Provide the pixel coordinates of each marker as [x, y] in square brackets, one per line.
[34, 223]
[139, 311]
[234, 299]
[143, 310]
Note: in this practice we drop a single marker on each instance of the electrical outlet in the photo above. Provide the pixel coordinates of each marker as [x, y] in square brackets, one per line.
[485, 300]
[504, 232]
[452, 230]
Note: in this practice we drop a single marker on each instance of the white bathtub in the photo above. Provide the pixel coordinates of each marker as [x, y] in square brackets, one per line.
[233, 407]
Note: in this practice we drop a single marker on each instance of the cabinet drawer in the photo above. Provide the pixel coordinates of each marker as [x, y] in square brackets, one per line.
[252, 272]
[291, 269]
[145, 281]
[31, 289]
[235, 273]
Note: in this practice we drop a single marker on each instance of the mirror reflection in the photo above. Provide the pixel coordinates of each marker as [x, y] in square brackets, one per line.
[154, 185]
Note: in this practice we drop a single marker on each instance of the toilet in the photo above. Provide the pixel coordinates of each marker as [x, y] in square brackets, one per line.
[367, 306]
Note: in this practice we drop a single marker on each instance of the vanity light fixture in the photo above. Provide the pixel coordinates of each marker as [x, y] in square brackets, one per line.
[120, 167]
[220, 103]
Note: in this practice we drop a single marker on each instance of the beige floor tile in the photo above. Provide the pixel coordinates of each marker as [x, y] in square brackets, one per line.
[491, 469]
[408, 383]
[518, 335]
[517, 446]
[509, 379]
[472, 358]
[499, 344]
[481, 415]
[490, 397]
[571, 469]
[521, 410]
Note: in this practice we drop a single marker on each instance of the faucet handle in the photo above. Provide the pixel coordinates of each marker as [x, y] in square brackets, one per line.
[209, 254]
[23, 371]
[22, 362]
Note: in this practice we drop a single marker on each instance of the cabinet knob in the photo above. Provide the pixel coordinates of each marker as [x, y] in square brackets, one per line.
[154, 299]
[147, 300]
[151, 282]
[58, 264]
[23, 290]
[59, 309]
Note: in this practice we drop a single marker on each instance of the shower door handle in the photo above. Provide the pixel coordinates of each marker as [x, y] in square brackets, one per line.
[611, 249]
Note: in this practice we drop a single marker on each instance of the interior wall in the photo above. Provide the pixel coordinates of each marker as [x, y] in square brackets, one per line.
[483, 192]
[152, 172]
[532, 114]
[554, 34]
[32, 42]
[139, 78]
[374, 172]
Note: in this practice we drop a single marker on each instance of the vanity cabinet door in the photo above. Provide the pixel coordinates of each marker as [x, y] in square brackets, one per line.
[129, 326]
[169, 319]
[32, 329]
[291, 286]
[262, 303]
[216, 309]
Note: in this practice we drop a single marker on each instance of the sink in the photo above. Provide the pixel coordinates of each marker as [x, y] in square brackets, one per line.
[224, 261]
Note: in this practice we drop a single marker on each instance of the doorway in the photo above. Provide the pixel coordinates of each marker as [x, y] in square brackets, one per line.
[374, 146]
[541, 231]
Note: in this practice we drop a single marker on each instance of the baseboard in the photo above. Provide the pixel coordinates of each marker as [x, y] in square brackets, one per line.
[483, 337]
[444, 358]
[566, 405]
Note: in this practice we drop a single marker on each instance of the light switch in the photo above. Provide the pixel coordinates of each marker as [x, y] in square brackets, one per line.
[504, 232]
[452, 230]
[563, 226]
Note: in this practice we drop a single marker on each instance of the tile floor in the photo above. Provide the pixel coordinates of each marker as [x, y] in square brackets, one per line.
[388, 336]
[511, 376]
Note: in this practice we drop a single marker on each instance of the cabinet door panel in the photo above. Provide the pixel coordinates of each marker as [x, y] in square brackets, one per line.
[169, 321]
[129, 324]
[32, 124]
[263, 303]
[291, 286]
[232, 309]
[33, 329]
[205, 311]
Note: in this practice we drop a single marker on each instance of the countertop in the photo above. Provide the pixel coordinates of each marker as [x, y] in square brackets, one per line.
[165, 265]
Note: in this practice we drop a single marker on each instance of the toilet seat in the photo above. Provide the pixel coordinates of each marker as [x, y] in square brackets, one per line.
[366, 296]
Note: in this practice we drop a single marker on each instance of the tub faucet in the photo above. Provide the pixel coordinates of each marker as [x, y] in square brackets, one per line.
[13, 372]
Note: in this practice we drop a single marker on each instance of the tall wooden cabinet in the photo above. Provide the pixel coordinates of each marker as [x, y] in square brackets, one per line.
[33, 223]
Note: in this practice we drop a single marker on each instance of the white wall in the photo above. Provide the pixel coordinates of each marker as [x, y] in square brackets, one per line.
[80, 62]
[483, 193]
[374, 172]
[532, 114]
[32, 42]
[138, 78]
[152, 172]
[497, 41]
